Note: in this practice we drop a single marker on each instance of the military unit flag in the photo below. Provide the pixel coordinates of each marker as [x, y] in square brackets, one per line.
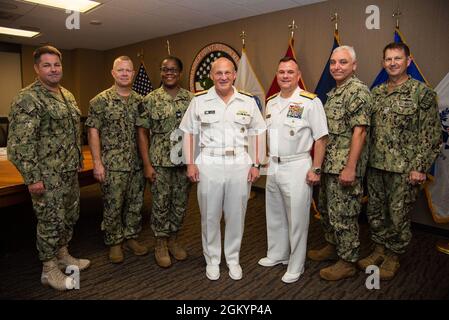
[437, 191]
[326, 82]
[247, 81]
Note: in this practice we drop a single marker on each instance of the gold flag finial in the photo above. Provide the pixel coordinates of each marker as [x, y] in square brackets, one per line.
[168, 47]
[397, 14]
[243, 37]
[140, 54]
[292, 28]
[335, 18]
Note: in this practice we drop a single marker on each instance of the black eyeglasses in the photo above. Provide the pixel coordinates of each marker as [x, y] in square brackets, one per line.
[169, 70]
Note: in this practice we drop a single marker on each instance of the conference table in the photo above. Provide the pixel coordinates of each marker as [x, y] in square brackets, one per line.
[13, 190]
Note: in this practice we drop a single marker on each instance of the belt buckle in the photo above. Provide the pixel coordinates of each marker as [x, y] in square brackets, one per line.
[229, 152]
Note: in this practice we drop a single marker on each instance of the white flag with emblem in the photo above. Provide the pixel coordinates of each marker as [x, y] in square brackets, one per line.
[247, 81]
[438, 190]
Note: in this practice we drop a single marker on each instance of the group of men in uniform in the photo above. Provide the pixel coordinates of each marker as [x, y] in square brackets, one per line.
[172, 139]
[393, 130]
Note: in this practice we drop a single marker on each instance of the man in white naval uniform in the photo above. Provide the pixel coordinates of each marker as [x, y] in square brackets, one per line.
[224, 119]
[295, 119]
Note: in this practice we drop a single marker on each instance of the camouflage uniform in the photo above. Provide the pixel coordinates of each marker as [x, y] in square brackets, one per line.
[406, 136]
[115, 118]
[44, 145]
[347, 106]
[162, 114]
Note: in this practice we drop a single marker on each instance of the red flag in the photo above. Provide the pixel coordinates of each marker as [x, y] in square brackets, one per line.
[274, 88]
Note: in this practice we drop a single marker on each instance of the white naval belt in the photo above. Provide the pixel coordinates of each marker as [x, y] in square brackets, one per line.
[283, 159]
[223, 152]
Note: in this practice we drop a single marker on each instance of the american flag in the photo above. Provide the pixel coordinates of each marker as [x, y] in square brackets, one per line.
[142, 84]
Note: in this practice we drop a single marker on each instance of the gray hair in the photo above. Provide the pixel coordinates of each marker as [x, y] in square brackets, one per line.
[350, 50]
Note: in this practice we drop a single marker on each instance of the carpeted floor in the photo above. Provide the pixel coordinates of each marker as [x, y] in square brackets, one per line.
[423, 273]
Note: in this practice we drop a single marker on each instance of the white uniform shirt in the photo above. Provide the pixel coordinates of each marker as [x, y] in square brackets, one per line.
[294, 126]
[223, 126]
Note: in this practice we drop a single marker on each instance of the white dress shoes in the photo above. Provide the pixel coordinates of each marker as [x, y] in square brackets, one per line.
[290, 277]
[267, 262]
[235, 272]
[212, 272]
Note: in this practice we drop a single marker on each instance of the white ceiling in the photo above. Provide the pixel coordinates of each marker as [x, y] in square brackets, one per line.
[129, 21]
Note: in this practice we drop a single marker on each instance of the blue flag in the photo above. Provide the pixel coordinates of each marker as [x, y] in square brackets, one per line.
[413, 69]
[326, 82]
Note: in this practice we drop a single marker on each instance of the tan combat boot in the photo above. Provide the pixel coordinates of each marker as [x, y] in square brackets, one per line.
[116, 253]
[328, 252]
[390, 266]
[136, 247]
[53, 277]
[161, 253]
[375, 258]
[178, 252]
[340, 270]
[65, 259]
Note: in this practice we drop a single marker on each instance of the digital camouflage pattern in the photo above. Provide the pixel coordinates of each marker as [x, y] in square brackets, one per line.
[391, 198]
[44, 133]
[123, 201]
[406, 128]
[339, 208]
[57, 211]
[44, 145]
[162, 114]
[115, 118]
[347, 106]
[169, 202]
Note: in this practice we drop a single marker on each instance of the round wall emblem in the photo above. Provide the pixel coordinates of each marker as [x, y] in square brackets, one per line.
[199, 73]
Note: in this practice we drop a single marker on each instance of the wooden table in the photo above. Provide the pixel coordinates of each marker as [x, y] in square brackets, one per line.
[13, 190]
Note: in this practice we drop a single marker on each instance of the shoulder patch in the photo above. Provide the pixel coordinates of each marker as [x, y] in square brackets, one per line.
[308, 95]
[272, 96]
[200, 93]
[245, 93]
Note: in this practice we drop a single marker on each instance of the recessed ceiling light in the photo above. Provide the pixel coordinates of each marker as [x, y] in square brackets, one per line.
[18, 32]
[75, 5]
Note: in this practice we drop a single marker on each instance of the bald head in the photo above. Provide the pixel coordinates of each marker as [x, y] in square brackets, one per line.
[223, 75]
[223, 61]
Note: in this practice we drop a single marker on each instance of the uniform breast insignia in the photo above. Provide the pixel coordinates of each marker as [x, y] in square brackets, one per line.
[295, 111]
[242, 113]
[178, 114]
[209, 112]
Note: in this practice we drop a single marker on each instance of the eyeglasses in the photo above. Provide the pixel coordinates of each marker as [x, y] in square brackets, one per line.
[169, 70]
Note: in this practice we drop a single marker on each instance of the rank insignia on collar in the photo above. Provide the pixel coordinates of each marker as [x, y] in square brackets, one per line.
[295, 111]
[209, 112]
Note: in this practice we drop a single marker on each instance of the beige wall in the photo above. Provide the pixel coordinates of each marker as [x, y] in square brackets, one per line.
[10, 65]
[425, 25]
